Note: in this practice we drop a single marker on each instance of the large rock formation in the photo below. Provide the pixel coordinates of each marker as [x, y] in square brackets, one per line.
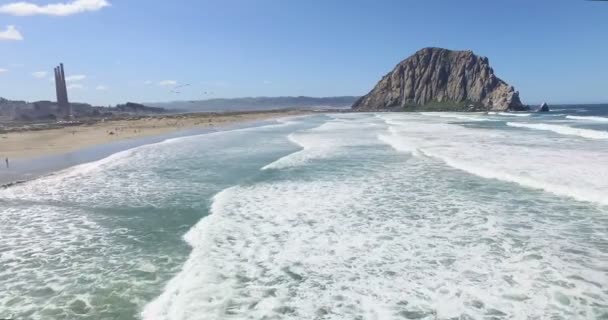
[441, 79]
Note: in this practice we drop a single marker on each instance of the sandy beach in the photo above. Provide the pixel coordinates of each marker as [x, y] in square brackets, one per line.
[36, 143]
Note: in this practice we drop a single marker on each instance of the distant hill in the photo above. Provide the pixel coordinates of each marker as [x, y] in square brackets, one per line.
[137, 108]
[257, 103]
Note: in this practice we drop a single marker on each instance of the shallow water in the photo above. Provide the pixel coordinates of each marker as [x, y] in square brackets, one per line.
[345, 216]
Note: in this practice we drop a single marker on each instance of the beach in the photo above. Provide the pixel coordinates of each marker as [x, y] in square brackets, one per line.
[20, 144]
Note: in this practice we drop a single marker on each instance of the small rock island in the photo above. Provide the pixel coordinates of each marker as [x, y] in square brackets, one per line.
[436, 79]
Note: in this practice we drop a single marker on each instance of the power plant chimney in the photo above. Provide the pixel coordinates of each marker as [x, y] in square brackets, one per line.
[62, 92]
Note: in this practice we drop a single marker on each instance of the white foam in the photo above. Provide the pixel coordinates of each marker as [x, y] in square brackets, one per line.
[465, 117]
[328, 140]
[572, 170]
[399, 144]
[588, 118]
[579, 191]
[58, 255]
[513, 114]
[400, 241]
[565, 130]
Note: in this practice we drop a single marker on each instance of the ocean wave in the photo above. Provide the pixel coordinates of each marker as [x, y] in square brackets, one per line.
[329, 139]
[562, 189]
[455, 116]
[579, 174]
[588, 118]
[292, 159]
[388, 244]
[564, 130]
[177, 297]
[513, 114]
[243, 260]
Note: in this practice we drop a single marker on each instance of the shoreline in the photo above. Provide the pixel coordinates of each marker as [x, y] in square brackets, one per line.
[29, 168]
[37, 140]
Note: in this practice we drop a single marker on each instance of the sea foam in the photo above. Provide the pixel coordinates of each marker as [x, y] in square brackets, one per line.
[397, 238]
[588, 118]
[567, 170]
[509, 114]
[464, 117]
[565, 130]
[324, 141]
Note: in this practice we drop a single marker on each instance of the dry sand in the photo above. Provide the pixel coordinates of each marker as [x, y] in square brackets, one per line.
[35, 143]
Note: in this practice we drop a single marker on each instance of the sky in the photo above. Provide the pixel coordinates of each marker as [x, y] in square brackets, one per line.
[146, 51]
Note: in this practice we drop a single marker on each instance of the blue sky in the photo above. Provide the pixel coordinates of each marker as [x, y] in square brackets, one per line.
[135, 50]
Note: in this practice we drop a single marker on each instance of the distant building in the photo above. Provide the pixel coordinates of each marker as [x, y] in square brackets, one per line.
[65, 110]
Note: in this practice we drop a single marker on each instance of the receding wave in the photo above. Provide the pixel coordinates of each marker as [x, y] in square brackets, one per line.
[291, 159]
[564, 130]
[588, 118]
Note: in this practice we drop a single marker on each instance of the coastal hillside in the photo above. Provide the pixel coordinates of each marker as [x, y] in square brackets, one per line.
[441, 80]
[258, 103]
[23, 111]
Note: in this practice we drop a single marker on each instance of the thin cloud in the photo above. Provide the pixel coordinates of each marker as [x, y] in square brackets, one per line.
[266, 82]
[2, 70]
[148, 82]
[11, 33]
[54, 9]
[75, 86]
[75, 78]
[39, 74]
[167, 83]
[101, 87]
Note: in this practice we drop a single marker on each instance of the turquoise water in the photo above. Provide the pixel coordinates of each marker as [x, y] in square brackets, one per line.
[345, 216]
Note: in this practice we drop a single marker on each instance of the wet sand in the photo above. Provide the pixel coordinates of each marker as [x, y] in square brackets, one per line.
[46, 151]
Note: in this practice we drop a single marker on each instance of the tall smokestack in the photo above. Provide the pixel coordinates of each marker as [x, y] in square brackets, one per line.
[57, 91]
[62, 92]
[62, 82]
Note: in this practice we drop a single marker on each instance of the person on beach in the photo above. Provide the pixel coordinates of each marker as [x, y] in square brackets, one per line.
[6, 160]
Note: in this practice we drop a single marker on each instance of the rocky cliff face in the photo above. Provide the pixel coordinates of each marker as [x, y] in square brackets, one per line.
[441, 79]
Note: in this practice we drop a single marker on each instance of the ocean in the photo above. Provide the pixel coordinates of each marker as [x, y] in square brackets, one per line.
[328, 216]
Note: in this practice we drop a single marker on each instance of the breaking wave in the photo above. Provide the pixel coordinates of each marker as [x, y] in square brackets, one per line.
[397, 238]
[580, 174]
[588, 118]
[564, 130]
